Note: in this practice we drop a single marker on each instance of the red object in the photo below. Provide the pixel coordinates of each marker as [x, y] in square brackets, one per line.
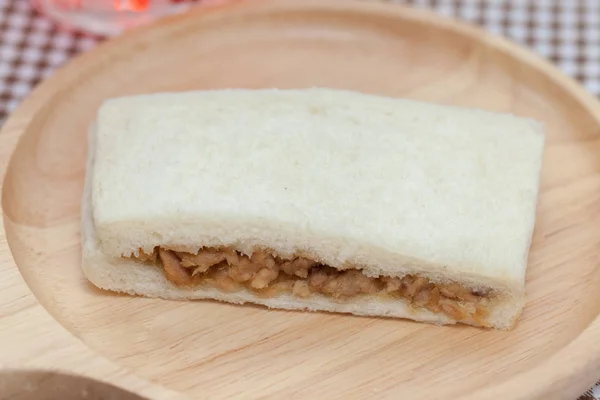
[139, 5]
[132, 5]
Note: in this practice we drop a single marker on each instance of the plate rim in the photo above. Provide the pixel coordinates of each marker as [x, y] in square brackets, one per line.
[573, 367]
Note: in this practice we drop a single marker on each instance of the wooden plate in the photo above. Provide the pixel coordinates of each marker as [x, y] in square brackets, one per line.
[162, 349]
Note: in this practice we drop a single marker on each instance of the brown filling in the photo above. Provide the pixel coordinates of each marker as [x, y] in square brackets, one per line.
[268, 275]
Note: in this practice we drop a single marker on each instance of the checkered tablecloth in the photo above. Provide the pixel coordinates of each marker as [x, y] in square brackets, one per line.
[565, 31]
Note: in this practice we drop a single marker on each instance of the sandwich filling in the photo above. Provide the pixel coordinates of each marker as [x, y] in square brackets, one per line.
[266, 274]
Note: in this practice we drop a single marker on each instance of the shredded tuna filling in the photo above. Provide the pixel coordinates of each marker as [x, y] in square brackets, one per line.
[268, 275]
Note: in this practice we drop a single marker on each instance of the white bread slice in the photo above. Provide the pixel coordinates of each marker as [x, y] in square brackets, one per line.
[392, 186]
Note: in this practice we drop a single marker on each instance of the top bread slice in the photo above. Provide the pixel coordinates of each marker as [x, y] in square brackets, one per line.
[390, 185]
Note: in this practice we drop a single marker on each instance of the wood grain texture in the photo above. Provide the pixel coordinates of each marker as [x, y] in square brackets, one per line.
[51, 318]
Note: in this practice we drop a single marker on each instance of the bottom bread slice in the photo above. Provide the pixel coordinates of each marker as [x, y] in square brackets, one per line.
[135, 278]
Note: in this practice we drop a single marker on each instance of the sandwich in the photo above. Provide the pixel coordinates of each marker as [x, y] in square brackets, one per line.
[313, 199]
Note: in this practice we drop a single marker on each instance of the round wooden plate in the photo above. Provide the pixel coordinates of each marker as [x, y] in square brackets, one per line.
[50, 317]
